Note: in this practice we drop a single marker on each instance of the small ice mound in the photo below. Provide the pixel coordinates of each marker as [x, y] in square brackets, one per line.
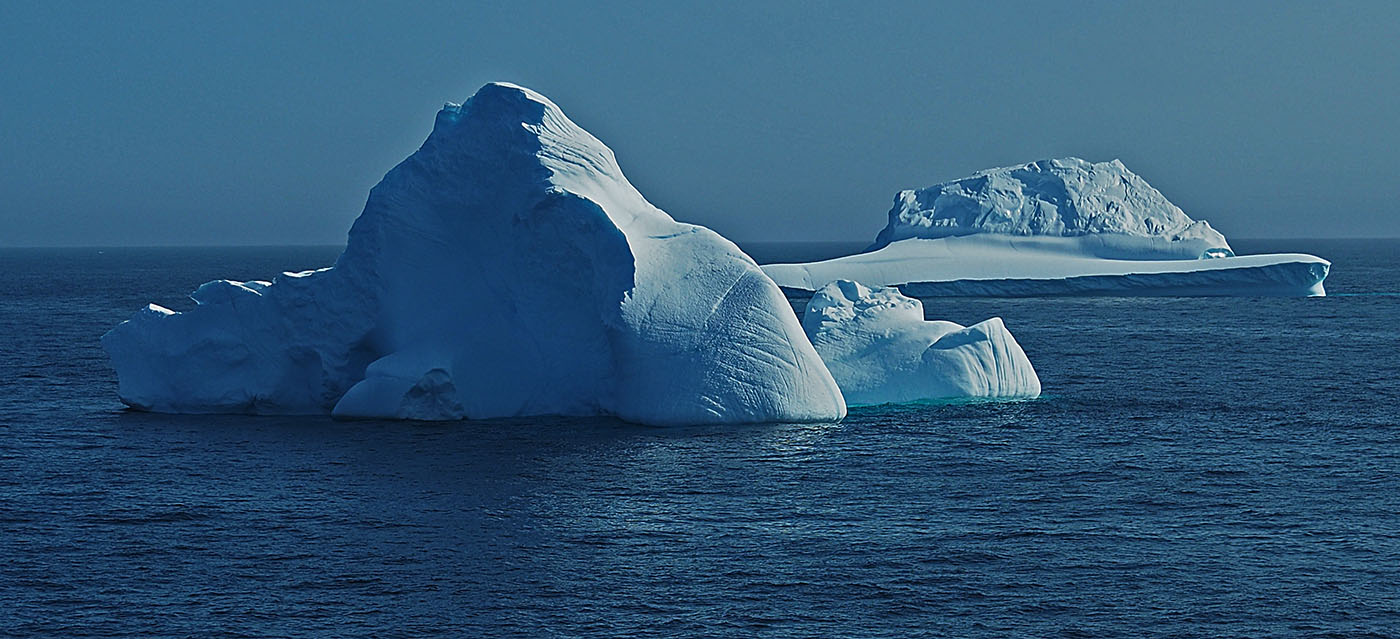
[881, 350]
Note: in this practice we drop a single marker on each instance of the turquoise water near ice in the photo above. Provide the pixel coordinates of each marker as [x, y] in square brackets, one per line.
[1197, 468]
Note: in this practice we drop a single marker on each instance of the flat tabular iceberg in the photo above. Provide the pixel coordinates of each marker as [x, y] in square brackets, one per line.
[1055, 227]
[882, 351]
[507, 268]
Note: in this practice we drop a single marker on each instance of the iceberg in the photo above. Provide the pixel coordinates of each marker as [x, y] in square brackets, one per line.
[506, 268]
[1055, 227]
[881, 350]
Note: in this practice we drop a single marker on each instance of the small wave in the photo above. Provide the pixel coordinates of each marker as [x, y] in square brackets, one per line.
[177, 515]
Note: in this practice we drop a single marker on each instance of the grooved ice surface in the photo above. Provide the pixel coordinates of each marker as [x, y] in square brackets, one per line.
[506, 268]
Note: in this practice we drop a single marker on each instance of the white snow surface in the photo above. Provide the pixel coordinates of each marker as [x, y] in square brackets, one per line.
[506, 268]
[1004, 265]
[882, 351]
[1060, 197]
[1055, 227]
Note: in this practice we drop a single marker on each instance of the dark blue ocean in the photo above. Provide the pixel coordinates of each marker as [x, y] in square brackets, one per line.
[1197, 468]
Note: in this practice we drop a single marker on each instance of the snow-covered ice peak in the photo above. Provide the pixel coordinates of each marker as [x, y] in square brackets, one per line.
[506, 268]
[1057, 197]
[880, 349]
[1054, 227]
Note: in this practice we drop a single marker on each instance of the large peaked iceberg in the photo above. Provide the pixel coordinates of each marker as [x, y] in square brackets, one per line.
[881, 350]
[1054, 227]
[506, 268]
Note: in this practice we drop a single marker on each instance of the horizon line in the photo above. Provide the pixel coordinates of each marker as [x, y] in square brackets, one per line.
[739, 242]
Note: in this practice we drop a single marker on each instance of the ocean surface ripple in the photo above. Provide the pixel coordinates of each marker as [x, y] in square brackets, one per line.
[1197, 468]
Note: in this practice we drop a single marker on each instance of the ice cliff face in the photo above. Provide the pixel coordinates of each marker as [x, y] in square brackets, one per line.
[882, 351]
[1063, 197]
[506, 268]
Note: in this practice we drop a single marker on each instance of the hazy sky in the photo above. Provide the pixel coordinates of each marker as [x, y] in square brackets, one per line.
[249, 123]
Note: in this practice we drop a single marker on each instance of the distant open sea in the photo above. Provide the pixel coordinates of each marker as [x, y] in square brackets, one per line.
[1200, 467]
